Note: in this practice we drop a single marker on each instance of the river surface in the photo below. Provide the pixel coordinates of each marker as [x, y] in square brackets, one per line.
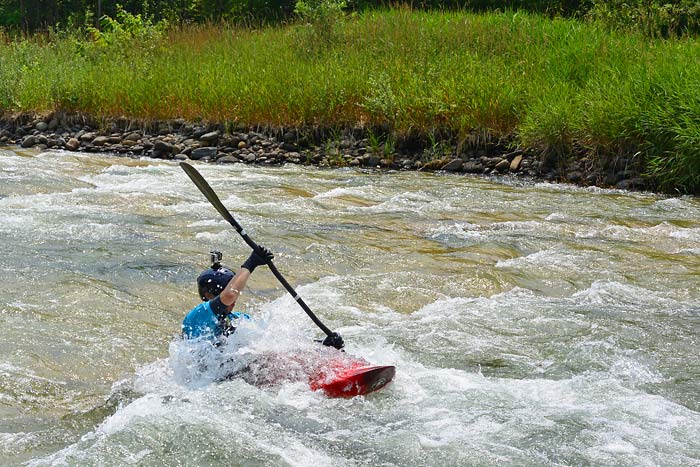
[530, 324]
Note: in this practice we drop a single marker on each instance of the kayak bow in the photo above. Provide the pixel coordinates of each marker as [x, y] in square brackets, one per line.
[352, 381]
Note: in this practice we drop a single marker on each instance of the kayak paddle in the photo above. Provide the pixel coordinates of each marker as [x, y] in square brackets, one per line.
[209, 193]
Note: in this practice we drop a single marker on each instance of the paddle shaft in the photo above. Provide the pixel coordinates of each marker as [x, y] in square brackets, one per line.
[211, 195]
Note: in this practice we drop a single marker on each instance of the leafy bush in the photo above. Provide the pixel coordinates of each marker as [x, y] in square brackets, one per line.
[323, 17]
[127, 28]
[654, 18]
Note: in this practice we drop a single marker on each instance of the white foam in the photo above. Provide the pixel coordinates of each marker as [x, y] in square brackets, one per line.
[217, 237]
[458, 229]
[608, 294]
[551, 258]
[343, 191]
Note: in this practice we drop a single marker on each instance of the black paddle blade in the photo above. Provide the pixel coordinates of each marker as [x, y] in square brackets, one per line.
[209, 193]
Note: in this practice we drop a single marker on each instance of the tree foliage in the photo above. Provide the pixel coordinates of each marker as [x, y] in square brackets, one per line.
[655, 17]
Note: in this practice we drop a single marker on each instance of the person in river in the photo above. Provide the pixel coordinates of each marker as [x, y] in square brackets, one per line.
[219, 289]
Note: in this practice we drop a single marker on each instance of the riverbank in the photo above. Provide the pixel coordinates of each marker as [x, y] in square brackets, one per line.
[354, 147]
[580, 102]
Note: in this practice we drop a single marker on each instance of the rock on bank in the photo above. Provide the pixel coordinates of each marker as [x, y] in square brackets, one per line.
[357, 147]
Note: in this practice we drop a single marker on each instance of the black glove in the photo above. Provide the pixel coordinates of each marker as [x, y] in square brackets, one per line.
[258, 258]
[334, 340]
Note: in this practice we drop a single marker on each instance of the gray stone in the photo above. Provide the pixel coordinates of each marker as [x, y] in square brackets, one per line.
[472, 167]
[41, 126]
[455, 165]
[56, 142]
[201, 153]
[181, 157]
[162, 147]
[160, 155]
[29, 141]
[211, 137]
[502, 166]
[229, 141]
[86, 137]
[249, 157]
[198, 133]
[132, 137]
[227, 160]
[100, 141]
[373, 161]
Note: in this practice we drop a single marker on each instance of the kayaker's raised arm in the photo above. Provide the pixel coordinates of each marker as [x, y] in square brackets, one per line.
[235, 287]
[219, 289]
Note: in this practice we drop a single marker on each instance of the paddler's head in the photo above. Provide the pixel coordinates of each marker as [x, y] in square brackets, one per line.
[215, 279]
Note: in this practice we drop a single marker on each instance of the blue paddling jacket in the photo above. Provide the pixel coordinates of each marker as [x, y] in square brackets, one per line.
[204, 321]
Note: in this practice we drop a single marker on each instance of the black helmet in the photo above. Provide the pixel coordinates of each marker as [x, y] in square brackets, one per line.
[214, 279]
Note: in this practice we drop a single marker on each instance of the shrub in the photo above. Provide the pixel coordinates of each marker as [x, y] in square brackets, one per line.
[323, 17]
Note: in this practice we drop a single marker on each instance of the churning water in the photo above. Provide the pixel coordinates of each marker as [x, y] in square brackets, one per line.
[530, 324]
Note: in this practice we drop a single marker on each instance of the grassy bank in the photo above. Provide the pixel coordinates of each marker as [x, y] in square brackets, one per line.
[561, 87]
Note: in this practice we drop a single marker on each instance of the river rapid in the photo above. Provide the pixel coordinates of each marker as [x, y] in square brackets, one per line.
[530, 324]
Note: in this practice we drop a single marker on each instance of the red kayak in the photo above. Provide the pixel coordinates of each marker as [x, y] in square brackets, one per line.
[354, 381]
[336, 374]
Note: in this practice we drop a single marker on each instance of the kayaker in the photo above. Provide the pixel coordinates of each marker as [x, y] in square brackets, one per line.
[219, 288]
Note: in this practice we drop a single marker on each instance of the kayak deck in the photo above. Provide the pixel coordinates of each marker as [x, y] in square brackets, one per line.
[336, 374]
[353, 382]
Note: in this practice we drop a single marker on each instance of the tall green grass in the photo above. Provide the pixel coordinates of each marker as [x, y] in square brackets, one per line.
[560, 86]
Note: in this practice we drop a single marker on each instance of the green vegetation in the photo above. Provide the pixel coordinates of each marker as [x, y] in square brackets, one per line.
[663, 18]
[561, 86]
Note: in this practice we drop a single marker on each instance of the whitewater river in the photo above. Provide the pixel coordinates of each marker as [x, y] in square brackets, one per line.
[530, 324]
